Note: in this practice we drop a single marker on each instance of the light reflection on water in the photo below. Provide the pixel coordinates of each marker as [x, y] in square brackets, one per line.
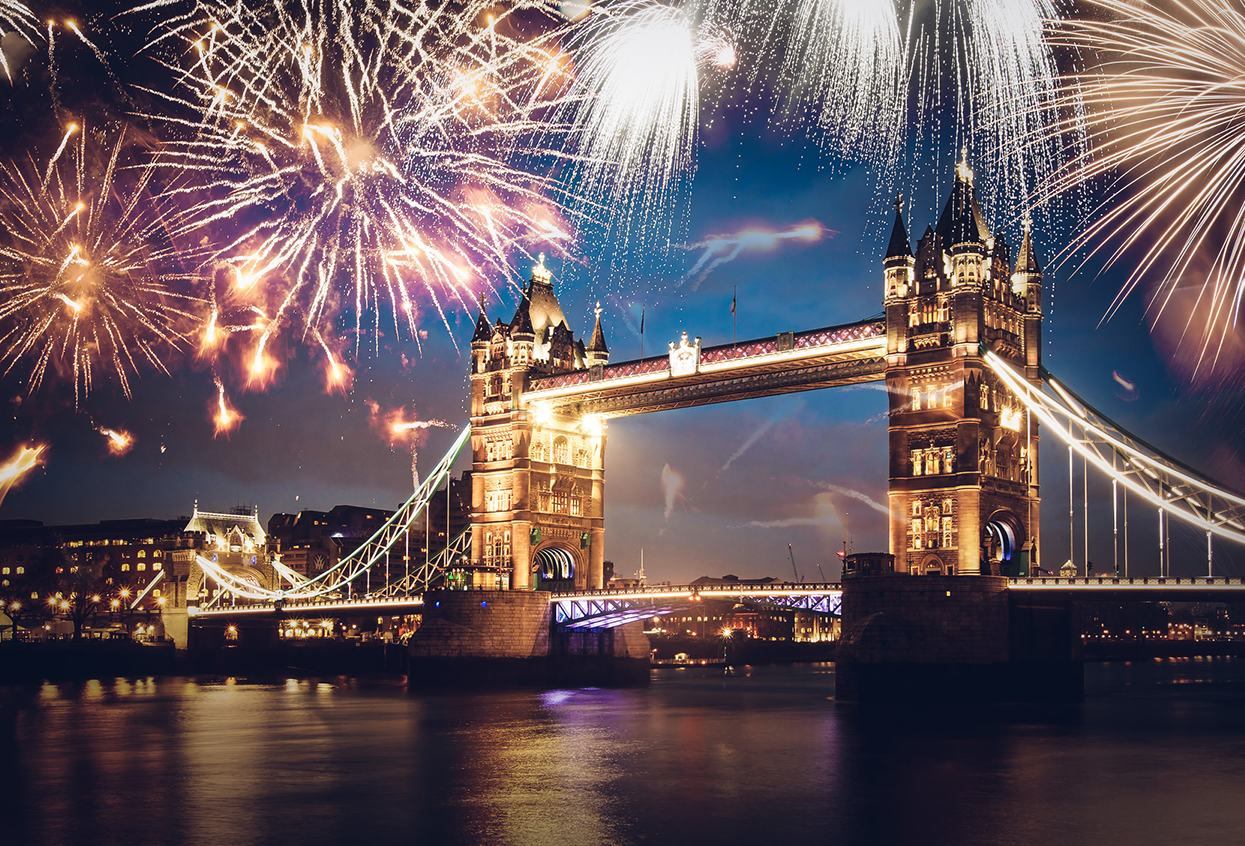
[1155, 754]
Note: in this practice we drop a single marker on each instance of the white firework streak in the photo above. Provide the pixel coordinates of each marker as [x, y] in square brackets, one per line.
[723, 249]
[18, 19]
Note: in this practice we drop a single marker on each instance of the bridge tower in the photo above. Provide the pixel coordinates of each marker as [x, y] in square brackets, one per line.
[538, 482]
[963, 451]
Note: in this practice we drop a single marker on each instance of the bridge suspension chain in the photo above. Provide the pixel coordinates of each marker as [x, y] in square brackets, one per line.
[344, 574]
[1176, 489]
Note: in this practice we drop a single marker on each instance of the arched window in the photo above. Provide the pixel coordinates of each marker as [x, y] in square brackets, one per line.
[561, 451]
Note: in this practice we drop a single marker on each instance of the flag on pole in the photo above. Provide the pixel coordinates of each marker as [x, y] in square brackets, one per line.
[641, 320]
[734, 294]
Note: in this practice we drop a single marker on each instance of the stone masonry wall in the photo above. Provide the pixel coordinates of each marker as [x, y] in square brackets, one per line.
[483, 624]
[925, 620]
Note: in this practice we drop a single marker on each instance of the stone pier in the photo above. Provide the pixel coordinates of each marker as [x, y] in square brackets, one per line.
[916, 640]
[499, 637]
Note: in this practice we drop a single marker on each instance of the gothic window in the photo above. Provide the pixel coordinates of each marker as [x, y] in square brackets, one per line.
[490, 453]
[561, 451]
[497, 549]
[539, 451]
[917, 471]
[915, 533]
[948, 459]
[561, 503]
[933, 463]
[946, 506]
[946, 533]
[577, 506]
[141, 567]
[946, 398]
[931, 397]
[916, 508]
[494, 386]
[142, 553]
[985, 397]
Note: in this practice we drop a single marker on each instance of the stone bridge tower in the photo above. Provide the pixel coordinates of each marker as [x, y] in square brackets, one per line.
[963, 451]
[538, 484]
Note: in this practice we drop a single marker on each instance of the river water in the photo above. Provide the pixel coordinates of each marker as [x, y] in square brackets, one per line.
[1154, 754]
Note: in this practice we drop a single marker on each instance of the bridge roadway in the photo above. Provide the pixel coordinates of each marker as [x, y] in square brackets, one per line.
[611, 608]
[779, 364]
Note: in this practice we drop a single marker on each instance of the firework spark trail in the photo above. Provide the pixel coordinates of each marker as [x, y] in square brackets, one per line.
[844, 61]
[226, 418]
[1164, 113]
[364, 158]
[18, 466]
[119, 441]
[632, 111]
[16, 18]
[992, 59]
[722, 249]
[86, 267]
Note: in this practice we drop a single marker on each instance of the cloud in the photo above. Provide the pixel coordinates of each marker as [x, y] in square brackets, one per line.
[672, 484]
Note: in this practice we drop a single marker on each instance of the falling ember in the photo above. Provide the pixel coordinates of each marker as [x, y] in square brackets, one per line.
[119, 441]
[15, 469]
[226, 417]
[337, 376]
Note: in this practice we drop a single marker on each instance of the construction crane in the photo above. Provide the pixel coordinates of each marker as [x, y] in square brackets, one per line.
[791, 552]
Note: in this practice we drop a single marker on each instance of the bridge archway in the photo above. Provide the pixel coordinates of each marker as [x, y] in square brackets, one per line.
[554, 566]
[1003, 539]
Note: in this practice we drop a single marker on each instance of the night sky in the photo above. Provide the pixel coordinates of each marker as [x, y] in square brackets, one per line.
[804, 469]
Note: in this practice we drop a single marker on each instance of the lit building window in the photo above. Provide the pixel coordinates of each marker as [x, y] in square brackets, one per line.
[125, 568]
[561, 451]
[141, 567]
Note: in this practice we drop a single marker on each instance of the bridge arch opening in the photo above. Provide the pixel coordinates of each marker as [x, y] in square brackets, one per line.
[553, 568]
[1004, 540]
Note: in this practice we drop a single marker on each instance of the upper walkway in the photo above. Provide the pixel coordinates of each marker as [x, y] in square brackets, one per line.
[778, 364]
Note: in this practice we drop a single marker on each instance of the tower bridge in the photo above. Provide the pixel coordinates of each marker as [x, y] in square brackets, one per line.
[959, 348]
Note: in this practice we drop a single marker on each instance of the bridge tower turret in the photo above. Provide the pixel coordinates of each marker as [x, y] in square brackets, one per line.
[537, 506]
[963, 487]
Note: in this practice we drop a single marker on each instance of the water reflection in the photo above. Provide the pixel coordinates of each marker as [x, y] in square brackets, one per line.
[1156, 754]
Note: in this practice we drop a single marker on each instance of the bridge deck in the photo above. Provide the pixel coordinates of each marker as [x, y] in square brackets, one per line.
[779, 364]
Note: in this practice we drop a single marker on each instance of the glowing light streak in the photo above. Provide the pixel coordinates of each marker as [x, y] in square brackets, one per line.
[721, 249]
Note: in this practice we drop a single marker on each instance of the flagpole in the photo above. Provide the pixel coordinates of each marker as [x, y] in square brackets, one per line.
[641, 333]
[734, 317]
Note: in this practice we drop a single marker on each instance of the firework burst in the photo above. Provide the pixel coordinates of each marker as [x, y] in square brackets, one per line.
[86, 267]
[633, 109]
[1164, 113]
[361, 157]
